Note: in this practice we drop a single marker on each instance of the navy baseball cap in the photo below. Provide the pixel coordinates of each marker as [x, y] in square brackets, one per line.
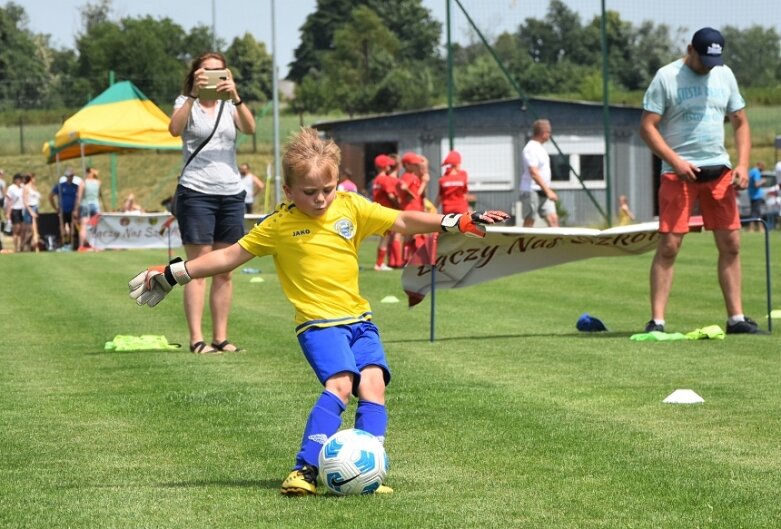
[709, 45]
[589, 323]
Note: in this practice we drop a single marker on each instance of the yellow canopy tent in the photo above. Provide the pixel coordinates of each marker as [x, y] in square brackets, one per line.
[120, 119]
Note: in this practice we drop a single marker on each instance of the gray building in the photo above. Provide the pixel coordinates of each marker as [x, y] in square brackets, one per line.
[490, 137]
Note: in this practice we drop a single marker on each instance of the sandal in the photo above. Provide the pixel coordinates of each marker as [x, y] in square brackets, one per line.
[223, 347]
[200, 348]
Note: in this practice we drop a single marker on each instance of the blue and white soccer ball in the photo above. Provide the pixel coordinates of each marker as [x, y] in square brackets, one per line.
[353, 462]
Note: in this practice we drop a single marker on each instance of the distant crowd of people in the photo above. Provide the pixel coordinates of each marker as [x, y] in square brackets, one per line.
[75, 200]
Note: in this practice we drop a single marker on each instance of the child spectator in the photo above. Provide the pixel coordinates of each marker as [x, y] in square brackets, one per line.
[384, 193]
[453, 189]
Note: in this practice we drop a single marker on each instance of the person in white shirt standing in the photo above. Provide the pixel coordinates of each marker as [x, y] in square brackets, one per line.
[252, 184]
[538, 199]
[2, 205]
[15, 206]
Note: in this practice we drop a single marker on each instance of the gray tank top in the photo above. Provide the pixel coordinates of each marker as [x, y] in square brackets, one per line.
[213, 170]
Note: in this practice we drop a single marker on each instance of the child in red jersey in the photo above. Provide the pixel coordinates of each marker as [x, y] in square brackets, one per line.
[453, 189]
[412, 190]
[384, 193]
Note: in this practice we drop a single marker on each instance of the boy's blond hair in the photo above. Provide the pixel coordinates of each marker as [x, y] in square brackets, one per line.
[307, 151]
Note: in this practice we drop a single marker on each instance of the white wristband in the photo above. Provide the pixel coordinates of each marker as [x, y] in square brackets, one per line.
[450, 222]
[179, 271]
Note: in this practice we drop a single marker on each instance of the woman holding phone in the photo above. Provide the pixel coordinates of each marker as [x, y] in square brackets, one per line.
[209, 200]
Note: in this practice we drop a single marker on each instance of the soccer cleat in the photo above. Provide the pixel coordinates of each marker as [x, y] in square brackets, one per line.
[652, 326]
[382, 268]
[383, 489]
[300, 482]
[747, 326]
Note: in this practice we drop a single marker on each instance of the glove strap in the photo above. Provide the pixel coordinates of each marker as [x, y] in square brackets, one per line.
[450, 222]
[176, 273]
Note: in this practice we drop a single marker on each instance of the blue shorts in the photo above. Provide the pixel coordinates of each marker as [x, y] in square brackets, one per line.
[88, 210]
[26, 217]
[207, 219]
[344, 348]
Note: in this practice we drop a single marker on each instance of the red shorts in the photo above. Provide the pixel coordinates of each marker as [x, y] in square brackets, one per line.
[718, 203]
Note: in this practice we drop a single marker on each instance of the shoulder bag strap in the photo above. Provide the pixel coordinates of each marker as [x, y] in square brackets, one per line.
[203, 144]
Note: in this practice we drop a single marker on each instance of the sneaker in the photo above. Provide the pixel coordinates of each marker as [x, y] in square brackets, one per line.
[382, 268]
[747, 326]
[652, 326]
[300, 482]
[383, 489]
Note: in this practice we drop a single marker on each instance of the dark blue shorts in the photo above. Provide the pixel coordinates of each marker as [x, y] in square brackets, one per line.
[209, 219]
[344, 348]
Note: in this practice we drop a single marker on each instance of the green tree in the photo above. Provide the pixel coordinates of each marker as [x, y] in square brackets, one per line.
[559, 36]
[310, 96]
[652, 47]
[317, 34]
[742, 53]
[482, 80]
[93, 14]
[365, 71]
[418, 33]
[511, 54]
[251, 66]
[152, 53]
[570, 54]
[406, 87]
[23, 73]
[143, 50]
[362, 58]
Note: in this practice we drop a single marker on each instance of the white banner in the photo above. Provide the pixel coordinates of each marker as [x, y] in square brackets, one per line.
[117, 231]
[137, 230]
[463, 261]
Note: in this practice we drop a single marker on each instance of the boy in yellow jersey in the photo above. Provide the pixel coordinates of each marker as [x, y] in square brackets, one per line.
[314, 239]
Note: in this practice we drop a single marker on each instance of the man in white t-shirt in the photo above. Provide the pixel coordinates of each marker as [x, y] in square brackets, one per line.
[252, 184]
[778, 172]
[538, 199]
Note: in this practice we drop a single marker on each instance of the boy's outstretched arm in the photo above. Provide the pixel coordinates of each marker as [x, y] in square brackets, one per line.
[414, 222]
[153, 284]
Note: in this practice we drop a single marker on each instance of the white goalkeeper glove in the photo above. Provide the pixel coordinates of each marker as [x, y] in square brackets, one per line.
[153, 284]
[471, 224]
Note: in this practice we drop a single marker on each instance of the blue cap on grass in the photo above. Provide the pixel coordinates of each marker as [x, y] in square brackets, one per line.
[588, 323]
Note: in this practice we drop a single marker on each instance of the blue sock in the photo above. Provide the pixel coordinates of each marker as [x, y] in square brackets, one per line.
[372, 417]
[324, 421]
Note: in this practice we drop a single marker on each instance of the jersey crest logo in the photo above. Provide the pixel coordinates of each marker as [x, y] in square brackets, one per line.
[345, 228]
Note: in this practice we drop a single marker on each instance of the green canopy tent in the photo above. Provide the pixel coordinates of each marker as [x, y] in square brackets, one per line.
[120, 119]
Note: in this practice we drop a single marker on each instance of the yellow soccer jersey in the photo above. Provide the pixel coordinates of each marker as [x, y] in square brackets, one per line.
[317, 258]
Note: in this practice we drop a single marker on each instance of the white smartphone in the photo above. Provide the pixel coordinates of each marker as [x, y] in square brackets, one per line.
[209, 92]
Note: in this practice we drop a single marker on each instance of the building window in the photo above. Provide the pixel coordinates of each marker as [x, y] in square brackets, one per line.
[487, 159]
[586, 156]
[559, 167]
[592, 167]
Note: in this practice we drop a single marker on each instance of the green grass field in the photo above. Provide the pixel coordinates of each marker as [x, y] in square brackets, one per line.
[511, 418]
